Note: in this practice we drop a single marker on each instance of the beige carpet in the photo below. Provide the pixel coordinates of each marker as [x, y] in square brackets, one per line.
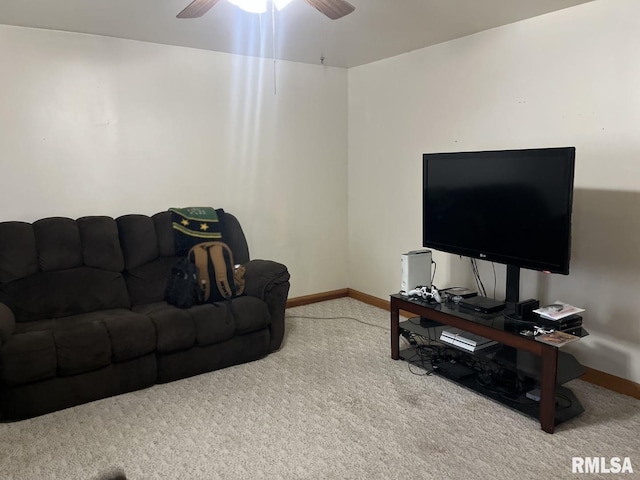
[331, 404]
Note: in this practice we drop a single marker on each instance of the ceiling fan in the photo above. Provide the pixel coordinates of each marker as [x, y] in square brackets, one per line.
[334, 9]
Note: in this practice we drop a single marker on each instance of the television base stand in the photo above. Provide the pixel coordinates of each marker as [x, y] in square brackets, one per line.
[523, 360]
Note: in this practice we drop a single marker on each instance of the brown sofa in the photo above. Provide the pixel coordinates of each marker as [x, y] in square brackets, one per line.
[83, 316]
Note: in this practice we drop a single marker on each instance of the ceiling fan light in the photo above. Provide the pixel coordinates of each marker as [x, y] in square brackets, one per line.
[252, 6]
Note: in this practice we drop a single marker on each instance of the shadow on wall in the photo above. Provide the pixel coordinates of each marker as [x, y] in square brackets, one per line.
[604, 278]
[605, 271]
[606, 231]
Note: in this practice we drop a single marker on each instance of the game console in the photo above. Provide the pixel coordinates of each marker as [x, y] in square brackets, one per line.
[465, 340]
[482, 304]
[416, 270]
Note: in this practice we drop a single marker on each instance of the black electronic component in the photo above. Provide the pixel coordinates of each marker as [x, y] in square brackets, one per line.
[525, 309]
[482, 304]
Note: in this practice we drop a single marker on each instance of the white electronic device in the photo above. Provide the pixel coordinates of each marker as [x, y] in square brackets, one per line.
[416, 270]
[465, 340]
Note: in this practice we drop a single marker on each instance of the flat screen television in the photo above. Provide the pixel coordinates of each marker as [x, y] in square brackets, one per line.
[508, 206]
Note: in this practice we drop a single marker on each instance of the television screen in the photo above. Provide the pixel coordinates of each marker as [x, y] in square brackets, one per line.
[509, 206]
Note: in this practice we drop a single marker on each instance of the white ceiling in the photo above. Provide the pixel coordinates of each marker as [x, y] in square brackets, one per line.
[377, 29]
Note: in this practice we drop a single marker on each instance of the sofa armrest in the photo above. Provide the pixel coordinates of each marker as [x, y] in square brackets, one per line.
[7, 323]
[269, 281]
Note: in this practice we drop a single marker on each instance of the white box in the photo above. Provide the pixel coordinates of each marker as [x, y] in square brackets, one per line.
[416, 270]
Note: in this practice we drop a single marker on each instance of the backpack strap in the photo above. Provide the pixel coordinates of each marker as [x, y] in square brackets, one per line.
[217, 251]
[199, 253]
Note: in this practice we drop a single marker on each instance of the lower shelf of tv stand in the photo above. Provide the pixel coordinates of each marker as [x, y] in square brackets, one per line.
[568, 367]
[567, 404]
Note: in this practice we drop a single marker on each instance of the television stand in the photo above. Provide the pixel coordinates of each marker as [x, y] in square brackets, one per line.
[526, 356]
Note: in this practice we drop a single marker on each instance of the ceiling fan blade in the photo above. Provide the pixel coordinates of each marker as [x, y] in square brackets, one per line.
[334, 9]
[197, 8]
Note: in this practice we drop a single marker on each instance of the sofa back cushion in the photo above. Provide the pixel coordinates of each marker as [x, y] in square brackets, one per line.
[57, 267]
[100, 243]
[58, 244]
[18, 252]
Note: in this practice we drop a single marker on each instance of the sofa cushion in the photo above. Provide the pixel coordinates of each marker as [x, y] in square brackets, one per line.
[63, 293]
[131, 334]
[138, 240]
[28, 357]
[175, 329]
[58, 243]
[82, 348]
[18, 253]
[75, 344]
[164, 231]
[179, 329]
[147, 283]
[250, 314]
[213, 323]
[100, 243]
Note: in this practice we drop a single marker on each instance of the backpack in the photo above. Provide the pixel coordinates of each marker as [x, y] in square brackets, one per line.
[182, 288]
[192, 225]
[214, 260]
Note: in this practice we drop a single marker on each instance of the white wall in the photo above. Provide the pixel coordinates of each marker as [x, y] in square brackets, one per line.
[100, 126]
[567, 78]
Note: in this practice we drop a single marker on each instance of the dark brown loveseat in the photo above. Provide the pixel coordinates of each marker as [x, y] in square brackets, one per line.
[82, 314]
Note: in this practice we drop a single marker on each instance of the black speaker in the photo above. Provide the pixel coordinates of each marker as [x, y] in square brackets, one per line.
[524, 309]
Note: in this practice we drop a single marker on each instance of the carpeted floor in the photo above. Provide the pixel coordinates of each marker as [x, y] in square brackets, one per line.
[331, 404]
